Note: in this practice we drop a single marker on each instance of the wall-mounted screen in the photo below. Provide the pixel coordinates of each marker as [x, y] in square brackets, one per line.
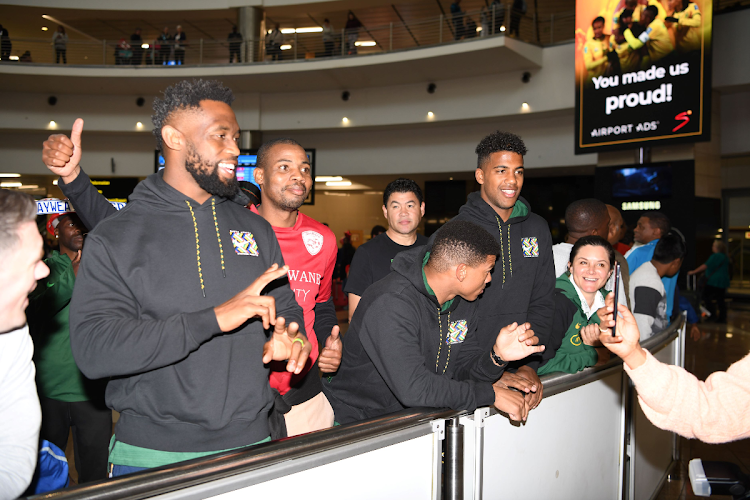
[245, 170]
[643, 75]
[642, 182]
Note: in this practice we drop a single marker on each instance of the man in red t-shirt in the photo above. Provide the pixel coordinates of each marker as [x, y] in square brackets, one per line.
[309, 249]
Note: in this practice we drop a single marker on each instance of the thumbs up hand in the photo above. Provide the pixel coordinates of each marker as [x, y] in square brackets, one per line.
[330, 356]
[62, 155]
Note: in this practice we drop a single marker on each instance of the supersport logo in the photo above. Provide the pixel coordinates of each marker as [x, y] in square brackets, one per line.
[685, 117]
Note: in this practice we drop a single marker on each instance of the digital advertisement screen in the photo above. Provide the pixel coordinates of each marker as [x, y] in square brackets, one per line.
[642, 182]
[245, 170]
[643, 73]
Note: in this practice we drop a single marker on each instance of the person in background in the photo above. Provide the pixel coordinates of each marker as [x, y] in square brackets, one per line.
[309, 249]
[123, 52]
[651, 226]
[617, 229]
[685, 22]
[714, 411]
[579, 294]
[25, 57]
[413, 341]
[235, 44]
[69, 400]
[517, 12]
[180, 43]
[718, 278]
[60, 41]
[5, 44]
[274, 41]
[351, 28]
[458, 20]
[595, 51]
[165, 47]
[136, 43]
[587, 217]
[377, 231]
[403, 208]
[345, 255]
[20, 414]
[655, 38]
[647, 293]
[327, 38]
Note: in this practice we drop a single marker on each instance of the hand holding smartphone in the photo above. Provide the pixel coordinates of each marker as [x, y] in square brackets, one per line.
[617, 293]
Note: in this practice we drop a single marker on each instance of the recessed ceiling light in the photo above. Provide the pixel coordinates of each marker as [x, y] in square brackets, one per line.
[285, 47]
[525, 106]
[339, 183]
[430, 114]
[9, 176]
[145, 45]
[328, 178]
[52, 125]
[44, 28]
[345, 120]
[139, 125]
[365, 44]
[28, 186]
[309, 30]
[287, 31]
[10, 184]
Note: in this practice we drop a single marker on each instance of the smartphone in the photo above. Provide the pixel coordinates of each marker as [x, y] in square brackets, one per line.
[617, 293]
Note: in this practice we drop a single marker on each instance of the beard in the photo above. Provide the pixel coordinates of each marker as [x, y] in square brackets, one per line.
[207, 177]
[291, 203]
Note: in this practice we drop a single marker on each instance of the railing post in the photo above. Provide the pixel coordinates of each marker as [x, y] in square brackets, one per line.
[552, 29]
[295, 45]
[344, 42]
[492, 29]
[390, 36]
[104, 52]
[440, 36]
[454, 460]
[200, 56]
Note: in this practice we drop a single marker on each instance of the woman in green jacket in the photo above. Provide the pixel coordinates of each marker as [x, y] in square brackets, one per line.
[717, 276]
[579, 294]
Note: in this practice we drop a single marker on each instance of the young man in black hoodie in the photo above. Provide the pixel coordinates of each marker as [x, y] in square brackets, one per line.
[162, 303]
[413, 340]
[523, 284]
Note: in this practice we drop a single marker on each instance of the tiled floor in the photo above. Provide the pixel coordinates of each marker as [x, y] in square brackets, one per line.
[721, 345]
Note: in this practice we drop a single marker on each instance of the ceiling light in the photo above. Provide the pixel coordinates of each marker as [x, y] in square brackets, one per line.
[44, 28]
[13, 58]
[309, 30]
[365, 44]
[10, 176]
[28, 186]
[525, 106]
[328, 178]
[139, 125]
[502, 28]
[479, 28]
[54, 183]
[285, 47]
[10, 184]
[345, 120]
[339, 183]
[721, 230]
[287, 31]
[52, 125]
[430, 114]
[145, 45]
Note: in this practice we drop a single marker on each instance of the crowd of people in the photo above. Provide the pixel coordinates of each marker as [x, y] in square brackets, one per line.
[206, 319]
[639, 34]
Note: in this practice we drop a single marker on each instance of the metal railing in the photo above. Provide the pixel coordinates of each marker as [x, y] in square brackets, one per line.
[395, 36]
[385, 430]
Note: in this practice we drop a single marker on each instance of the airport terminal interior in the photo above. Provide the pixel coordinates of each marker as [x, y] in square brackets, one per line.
[641, 106]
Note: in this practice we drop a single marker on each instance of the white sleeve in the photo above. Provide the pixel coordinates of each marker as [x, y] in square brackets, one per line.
[20, 413]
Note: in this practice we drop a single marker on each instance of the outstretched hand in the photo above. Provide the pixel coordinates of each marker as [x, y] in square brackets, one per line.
[249, 303]
[516, 341]
[287, 343]
[626, 344]
[330, 357]
[62, 154]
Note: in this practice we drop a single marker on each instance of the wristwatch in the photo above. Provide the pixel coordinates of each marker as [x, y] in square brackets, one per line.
[497, 359]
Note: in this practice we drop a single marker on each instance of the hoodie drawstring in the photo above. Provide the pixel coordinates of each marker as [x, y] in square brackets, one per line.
[502, 249]
[198, 243]
[218, 236]
[440, 345]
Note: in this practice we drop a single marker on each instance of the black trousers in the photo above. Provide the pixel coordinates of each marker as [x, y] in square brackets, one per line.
[234, 51]
[713, 297]
[58, 53]
[92, 428]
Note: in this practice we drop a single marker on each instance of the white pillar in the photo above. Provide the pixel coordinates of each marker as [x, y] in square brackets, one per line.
[249, 26]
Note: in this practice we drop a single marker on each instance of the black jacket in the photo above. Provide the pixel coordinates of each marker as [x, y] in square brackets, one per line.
[523, 281]
[395, 355]
[142, 313]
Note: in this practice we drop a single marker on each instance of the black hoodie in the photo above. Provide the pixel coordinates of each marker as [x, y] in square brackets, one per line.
[396, 355]
[523, 281]
[142, 313]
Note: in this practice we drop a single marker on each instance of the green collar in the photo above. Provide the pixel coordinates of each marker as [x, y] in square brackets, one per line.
[519, 210]
[448, 304]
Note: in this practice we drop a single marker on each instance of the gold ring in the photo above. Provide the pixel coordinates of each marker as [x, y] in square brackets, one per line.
[302, 342]
[604, 331]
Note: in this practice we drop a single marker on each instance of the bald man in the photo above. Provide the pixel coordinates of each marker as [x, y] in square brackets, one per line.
[582, 218]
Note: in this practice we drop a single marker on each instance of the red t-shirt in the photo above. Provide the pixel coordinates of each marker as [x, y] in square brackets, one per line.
[309, 249]
[620, 247]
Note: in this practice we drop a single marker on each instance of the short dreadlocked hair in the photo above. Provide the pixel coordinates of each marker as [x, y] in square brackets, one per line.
[497, 142]
[461, 242]
[186, 94]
